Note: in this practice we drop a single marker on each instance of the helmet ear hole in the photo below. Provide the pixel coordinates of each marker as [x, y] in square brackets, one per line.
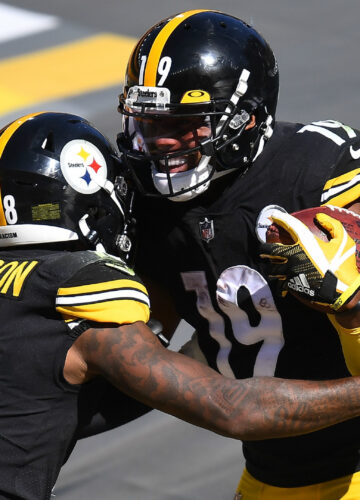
[93, 212]
[98, 213]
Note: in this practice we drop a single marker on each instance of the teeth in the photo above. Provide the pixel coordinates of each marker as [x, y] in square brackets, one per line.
[175, 162]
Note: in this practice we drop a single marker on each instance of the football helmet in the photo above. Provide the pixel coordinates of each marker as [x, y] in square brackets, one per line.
[199, 100]
[59, 181]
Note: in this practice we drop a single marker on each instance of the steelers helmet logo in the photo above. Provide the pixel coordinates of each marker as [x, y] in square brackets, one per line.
[83, 166]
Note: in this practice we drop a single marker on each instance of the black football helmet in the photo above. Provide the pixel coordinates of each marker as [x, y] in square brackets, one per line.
[203, 75]
[59, 183]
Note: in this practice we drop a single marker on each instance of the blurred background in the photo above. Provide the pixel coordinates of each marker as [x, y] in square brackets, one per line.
[71, 56]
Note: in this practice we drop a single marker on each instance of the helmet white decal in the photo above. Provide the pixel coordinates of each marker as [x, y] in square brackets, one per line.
[83, 166]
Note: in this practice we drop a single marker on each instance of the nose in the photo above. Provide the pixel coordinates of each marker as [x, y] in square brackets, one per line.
[165, 144]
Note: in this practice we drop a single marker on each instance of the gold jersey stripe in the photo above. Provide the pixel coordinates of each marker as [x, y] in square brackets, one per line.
[345, 198]
[67, 70]
[116, 311]
[101, 287]
[104, 296]
[159, 43]
[342, 190]
[342, 179]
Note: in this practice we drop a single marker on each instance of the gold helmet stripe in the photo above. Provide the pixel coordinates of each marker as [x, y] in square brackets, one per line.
[2, 213]
[9, 131]
[4, 139]
[159, 43]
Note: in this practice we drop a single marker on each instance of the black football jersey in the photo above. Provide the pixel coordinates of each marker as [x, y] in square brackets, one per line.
[207, 253]
[47, 299]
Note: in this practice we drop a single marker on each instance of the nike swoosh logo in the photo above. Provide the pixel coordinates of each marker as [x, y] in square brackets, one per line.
[355, 153]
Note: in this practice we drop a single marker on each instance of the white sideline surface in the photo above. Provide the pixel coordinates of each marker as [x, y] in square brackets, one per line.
[17, 23]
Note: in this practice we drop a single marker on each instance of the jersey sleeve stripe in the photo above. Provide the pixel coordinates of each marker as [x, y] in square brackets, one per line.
[116, 311]
[93, 298]
[342, 190]
[342, 179]
[101, 287]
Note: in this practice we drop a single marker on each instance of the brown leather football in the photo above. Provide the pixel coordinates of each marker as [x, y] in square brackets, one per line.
[350, 220]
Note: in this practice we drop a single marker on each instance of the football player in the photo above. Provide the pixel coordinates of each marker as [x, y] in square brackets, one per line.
[73, 319]
[199, 138]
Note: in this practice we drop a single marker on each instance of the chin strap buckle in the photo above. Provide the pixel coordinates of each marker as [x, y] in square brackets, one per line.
[90, 234]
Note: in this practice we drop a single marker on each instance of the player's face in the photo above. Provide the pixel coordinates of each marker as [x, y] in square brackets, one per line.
[183, 140]
[175, 137]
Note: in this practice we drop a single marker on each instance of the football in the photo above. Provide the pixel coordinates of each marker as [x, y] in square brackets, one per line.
[350, 220]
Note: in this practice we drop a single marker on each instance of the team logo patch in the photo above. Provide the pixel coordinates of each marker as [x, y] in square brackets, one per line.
[83, 166]
[206, 228]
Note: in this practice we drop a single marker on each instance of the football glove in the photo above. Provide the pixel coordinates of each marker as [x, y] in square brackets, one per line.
[322, 272]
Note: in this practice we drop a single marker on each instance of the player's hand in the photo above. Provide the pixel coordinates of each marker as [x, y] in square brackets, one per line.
[322, 272]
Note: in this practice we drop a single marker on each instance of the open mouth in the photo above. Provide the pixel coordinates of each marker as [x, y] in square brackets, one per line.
[179, 163]
[174, 165]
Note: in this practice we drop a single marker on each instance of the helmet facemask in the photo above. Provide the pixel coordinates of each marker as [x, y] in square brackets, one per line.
[186, 144]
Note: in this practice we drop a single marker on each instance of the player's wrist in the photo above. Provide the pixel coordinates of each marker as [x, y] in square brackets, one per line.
[347, 325]
[349, 317]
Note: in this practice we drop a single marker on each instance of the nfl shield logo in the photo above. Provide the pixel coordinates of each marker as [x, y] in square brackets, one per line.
[206, 229]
